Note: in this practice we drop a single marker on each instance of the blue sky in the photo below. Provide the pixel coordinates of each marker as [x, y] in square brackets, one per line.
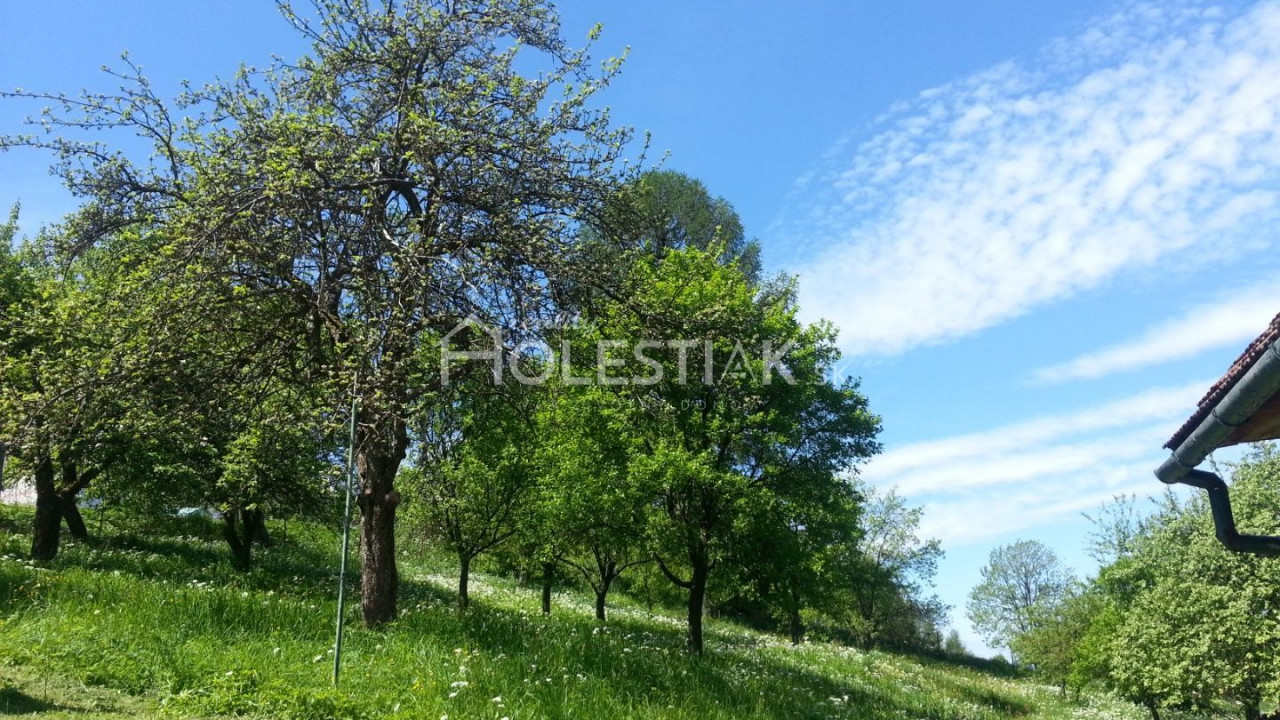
[1043, 228]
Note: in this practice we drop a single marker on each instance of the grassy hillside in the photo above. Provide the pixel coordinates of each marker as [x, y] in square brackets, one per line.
[157, 623]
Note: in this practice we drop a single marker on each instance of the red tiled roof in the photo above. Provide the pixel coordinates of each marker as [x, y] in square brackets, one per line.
[1219, 390]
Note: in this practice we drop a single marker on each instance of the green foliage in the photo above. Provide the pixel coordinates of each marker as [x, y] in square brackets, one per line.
[590, 508]
[1019, 581]
[1055, 642]
[402, 176]
[1173, 621]
[878, 584]
[1116, 529]
[664, 210]
[732, 447]
[1201, 626]
[473, 482]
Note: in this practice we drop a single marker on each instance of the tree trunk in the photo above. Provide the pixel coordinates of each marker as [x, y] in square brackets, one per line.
[75, 522]
[600, 604]
[464, 577]
[241, 548]
[547, 570]
[1155, 711]
[67, 500]
[48, 521]
[1251, 711]
[379, 578]
[795, 626]
[256, 527]
[697, 597]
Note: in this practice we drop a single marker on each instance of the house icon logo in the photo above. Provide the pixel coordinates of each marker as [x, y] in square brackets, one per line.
[468, 331]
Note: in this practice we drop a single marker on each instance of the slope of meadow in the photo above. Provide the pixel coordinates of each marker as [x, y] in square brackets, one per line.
[156, 623]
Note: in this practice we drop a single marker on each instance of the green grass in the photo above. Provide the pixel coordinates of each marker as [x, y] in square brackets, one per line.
[156, 622]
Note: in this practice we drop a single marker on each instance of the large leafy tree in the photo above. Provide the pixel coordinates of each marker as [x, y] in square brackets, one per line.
[727, 427]
[403, 176]
[63, 388]
[1019, 580]
[880, 593]
[665, 210]
[1197, 622]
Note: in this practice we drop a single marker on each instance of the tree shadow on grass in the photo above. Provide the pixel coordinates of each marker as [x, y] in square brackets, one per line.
[15, 702]
[185, 550]
[27, 692]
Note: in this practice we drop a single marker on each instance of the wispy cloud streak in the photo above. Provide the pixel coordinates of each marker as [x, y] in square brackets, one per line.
[999, 481]
[1230, 322]
[1153, 133]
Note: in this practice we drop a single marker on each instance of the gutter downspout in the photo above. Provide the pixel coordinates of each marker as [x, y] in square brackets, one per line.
[1258, 385]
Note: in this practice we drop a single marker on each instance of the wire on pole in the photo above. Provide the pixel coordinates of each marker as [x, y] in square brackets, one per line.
[346, 536]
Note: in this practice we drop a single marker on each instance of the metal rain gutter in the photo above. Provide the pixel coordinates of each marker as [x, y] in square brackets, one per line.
[1258, 385]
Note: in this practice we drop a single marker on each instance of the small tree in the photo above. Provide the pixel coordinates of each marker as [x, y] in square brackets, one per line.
[589, 511]
[717, 448]
[472, 481]
[65, 383]
[877, 581]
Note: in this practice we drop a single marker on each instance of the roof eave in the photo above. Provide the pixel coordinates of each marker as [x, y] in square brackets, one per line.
[1231, 414]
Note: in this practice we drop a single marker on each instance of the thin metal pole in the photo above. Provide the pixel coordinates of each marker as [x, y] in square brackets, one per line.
[346, 537]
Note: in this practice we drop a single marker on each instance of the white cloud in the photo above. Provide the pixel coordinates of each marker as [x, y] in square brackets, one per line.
[1154, 405]
[1153, 134]
[1230, 322]
[982, 517]
[1038, 471]
[1036, 464]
